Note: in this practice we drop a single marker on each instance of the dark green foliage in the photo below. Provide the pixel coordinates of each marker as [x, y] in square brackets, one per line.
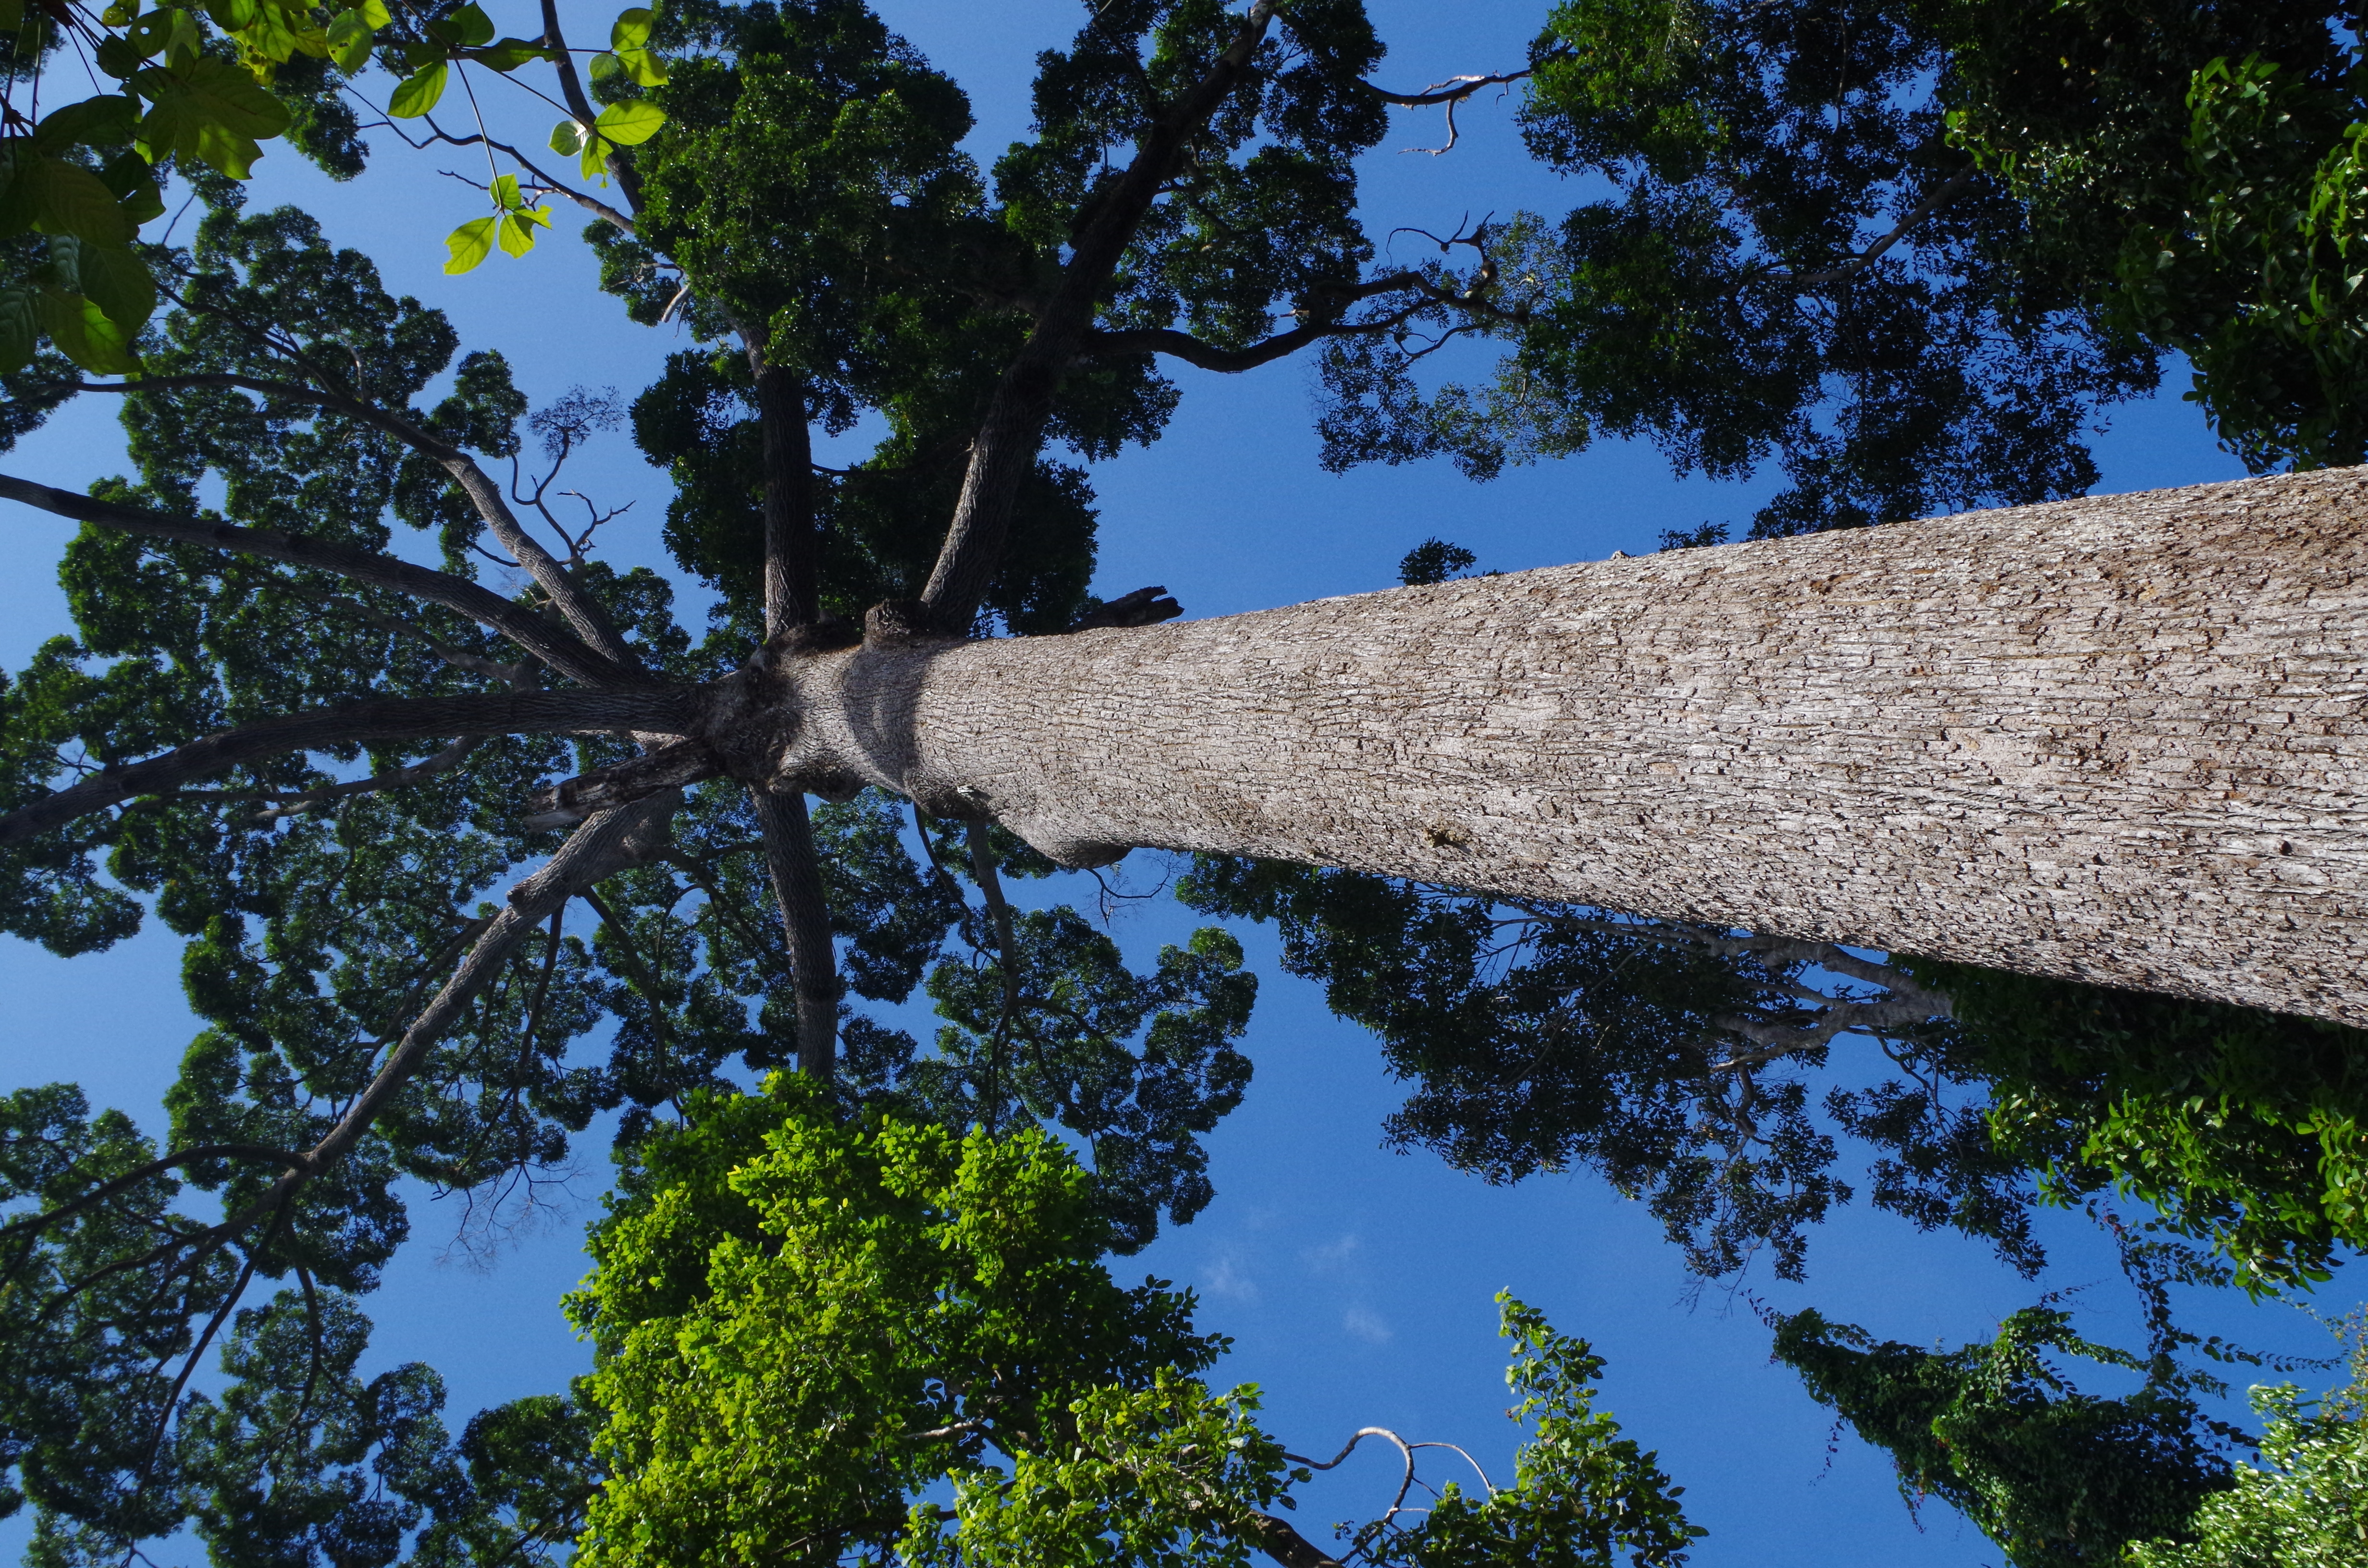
[2243, 1127]
[1435, 561]
[1712, 303]
[2058, 1477]
[2186, 169]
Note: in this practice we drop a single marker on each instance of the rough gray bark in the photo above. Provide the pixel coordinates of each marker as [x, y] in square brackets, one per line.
[2121, 739]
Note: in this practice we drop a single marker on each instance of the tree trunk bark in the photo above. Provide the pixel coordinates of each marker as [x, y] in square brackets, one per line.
[2121, 739]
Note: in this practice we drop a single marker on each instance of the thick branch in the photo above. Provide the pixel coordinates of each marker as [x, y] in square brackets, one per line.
[1281, 1541]
[805, 919]
[567, 655]
[383, 719]
[790, 596]
[670, 767]
[1004, 452]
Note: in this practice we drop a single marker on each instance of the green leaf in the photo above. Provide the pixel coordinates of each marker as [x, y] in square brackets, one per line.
[21, 329]
[106, 121]
[84, 335]
[116, 282]
[150, 32]
[375, 13]
[642, 66]
[593, 162]
[232, 16]
[605, 65]
[631, 30]
[468, 27]
[115, 57]
[630, 38]
[279, 36]
[505, 192]
[567, 138]
[470, 243]
[516, 230]
[350, 37]
[211, 109]
[134, 184]
[58, 197]
[417, 93]
[511, 53]
[630, 123]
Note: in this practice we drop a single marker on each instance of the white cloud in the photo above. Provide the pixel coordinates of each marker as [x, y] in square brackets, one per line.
[1334, 1256]
[1366, 1326]
[1226, 1281]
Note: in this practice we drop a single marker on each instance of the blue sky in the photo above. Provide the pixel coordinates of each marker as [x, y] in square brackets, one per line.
[1356, 1282]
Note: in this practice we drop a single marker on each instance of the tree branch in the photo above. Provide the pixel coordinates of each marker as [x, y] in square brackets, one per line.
[1948, 192]
[670, 767]
[796, 873]
[383, 719]
[1003, 452]
[567, 655]
[290, 802]
[590, 621]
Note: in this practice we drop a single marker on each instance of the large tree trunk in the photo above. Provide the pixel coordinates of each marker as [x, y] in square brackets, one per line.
[2120, 739]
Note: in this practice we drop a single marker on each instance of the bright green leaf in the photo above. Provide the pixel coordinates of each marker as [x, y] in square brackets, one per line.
[567, 138]
[505, 192]
[516, 230]
[642, 66]
[232, 16]
[631, 30]
[350, 37]
[375, 13]
[468, 27]
[630, 123]
[470, 243]
[594, 161]
[605, 66]
[418, 93]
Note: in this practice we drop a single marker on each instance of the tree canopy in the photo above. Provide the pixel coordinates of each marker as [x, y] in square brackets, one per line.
[450, 888]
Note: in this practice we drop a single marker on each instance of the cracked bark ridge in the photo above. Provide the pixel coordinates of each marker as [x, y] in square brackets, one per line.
[2121, 739]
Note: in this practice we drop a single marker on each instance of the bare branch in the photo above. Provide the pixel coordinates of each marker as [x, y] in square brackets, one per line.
[567, 655]
[293, 803]
[590, 621]
[383, 719]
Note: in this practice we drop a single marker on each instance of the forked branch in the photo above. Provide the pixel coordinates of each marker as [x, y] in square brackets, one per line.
[563, 653]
